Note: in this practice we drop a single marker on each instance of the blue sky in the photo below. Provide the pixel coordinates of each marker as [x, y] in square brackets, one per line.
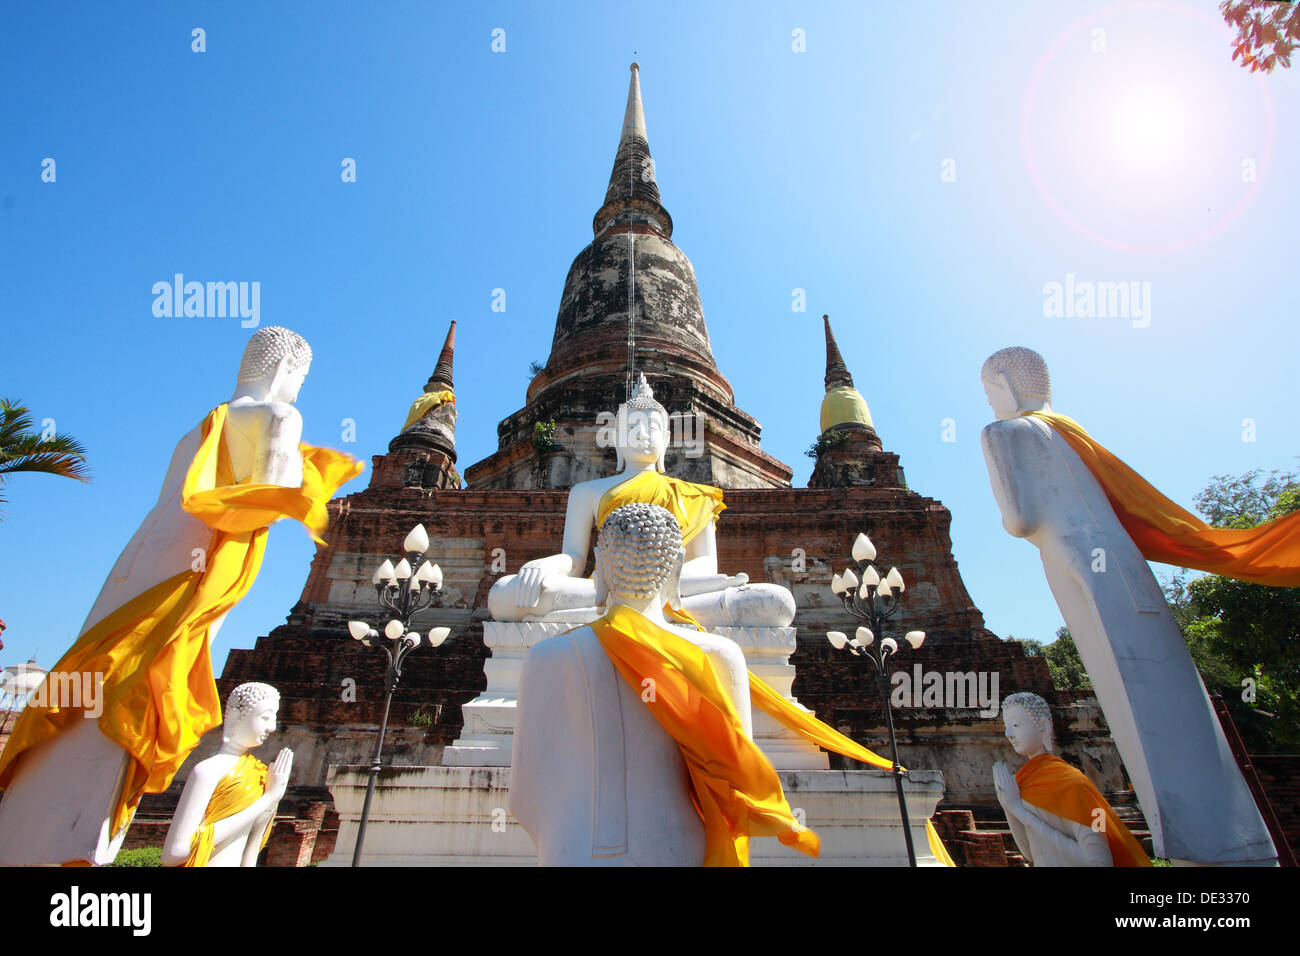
[921, 176]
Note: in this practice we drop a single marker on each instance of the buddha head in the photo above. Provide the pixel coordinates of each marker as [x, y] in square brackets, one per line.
[639, 554]
[1016, 381]
[277, 359]
[642, 428]
[1028, 722]
[250, 715]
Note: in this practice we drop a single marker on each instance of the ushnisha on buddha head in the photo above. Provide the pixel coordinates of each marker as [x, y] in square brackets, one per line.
[250, 715]
[1028, 721]
[275, 363]
[639, 555]
[1016, 381]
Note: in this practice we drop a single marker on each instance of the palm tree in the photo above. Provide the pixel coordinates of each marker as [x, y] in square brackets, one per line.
[22, 450]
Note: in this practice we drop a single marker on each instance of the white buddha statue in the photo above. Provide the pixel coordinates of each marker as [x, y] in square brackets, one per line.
[553, 589]
[1191, 791]
[595, 779]
[71, 785]
[1046, 838]
[227, 808]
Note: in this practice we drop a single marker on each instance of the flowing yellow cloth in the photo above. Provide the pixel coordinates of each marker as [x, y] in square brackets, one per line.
[237, 790]
[766, 698]
[1165, 532]
[425, 404]
[733, 783]
[152, 653]
[1051, 784]
[693, 505]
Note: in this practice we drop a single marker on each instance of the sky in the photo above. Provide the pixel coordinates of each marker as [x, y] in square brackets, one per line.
[928, 180]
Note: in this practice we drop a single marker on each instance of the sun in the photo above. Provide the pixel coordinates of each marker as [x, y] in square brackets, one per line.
[1149, 127]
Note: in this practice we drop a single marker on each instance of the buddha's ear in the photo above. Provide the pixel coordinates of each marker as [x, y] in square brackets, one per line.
[602, 592]
[659, 465]
[619, 461]
[672, 587]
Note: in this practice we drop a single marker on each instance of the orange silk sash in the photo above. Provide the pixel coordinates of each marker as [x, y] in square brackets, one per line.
[1165, 532]
[734, 786]
[1051, 784]
[237, 790]
[691, 504]
[152, 653]
[767, 699]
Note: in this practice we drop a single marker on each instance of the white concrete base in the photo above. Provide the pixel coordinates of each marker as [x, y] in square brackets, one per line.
[458, 816]
[488, 735]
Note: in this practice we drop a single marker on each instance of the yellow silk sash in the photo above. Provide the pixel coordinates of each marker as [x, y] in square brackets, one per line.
[425, 404]
[733, 784]
[152, 653]
[1051, 784]
[693, 505]
[1165, 532]
[237, 790]
[771, 702]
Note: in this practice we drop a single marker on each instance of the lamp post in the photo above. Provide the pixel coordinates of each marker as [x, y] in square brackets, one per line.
[874, 601]
[412, 585]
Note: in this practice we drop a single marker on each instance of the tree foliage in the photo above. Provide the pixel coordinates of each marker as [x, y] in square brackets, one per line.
[1244, 637]
[1267, 32]
[1062, 660]
[21, 449]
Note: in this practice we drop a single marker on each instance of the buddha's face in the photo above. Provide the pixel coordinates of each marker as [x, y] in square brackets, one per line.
[1025, 736]
[289, 383]
[252, 729]
[1001, 398]
[646, 436]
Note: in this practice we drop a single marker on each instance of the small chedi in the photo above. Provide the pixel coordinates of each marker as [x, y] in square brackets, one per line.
[227, 808]
[1056, 815]
[1096, 523]
[604, 766]
[553, 588]
[72, 782]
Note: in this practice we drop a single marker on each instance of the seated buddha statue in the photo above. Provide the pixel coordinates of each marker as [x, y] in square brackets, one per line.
[227, 808]
[633, 744]
[1056, 815]
[553, 588]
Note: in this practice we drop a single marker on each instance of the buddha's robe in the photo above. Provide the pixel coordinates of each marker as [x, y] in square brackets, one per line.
[1163, 531]
[158, 694]
[693, 505]
[238, 790]
[1052, 785]
[734, 786]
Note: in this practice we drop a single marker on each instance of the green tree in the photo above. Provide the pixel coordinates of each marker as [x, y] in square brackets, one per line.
[23, 450]
[1267, 32]
[1244, 637]
[1062, 660]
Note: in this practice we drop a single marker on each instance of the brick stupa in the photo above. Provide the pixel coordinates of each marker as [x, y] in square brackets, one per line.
[513, 507]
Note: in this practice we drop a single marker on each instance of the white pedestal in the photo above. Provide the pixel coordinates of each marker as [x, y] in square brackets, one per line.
[457, 816]
[488, 734]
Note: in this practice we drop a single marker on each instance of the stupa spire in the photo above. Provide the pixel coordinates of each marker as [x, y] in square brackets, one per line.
[440, 380]
[837, 373]
[633, 193]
